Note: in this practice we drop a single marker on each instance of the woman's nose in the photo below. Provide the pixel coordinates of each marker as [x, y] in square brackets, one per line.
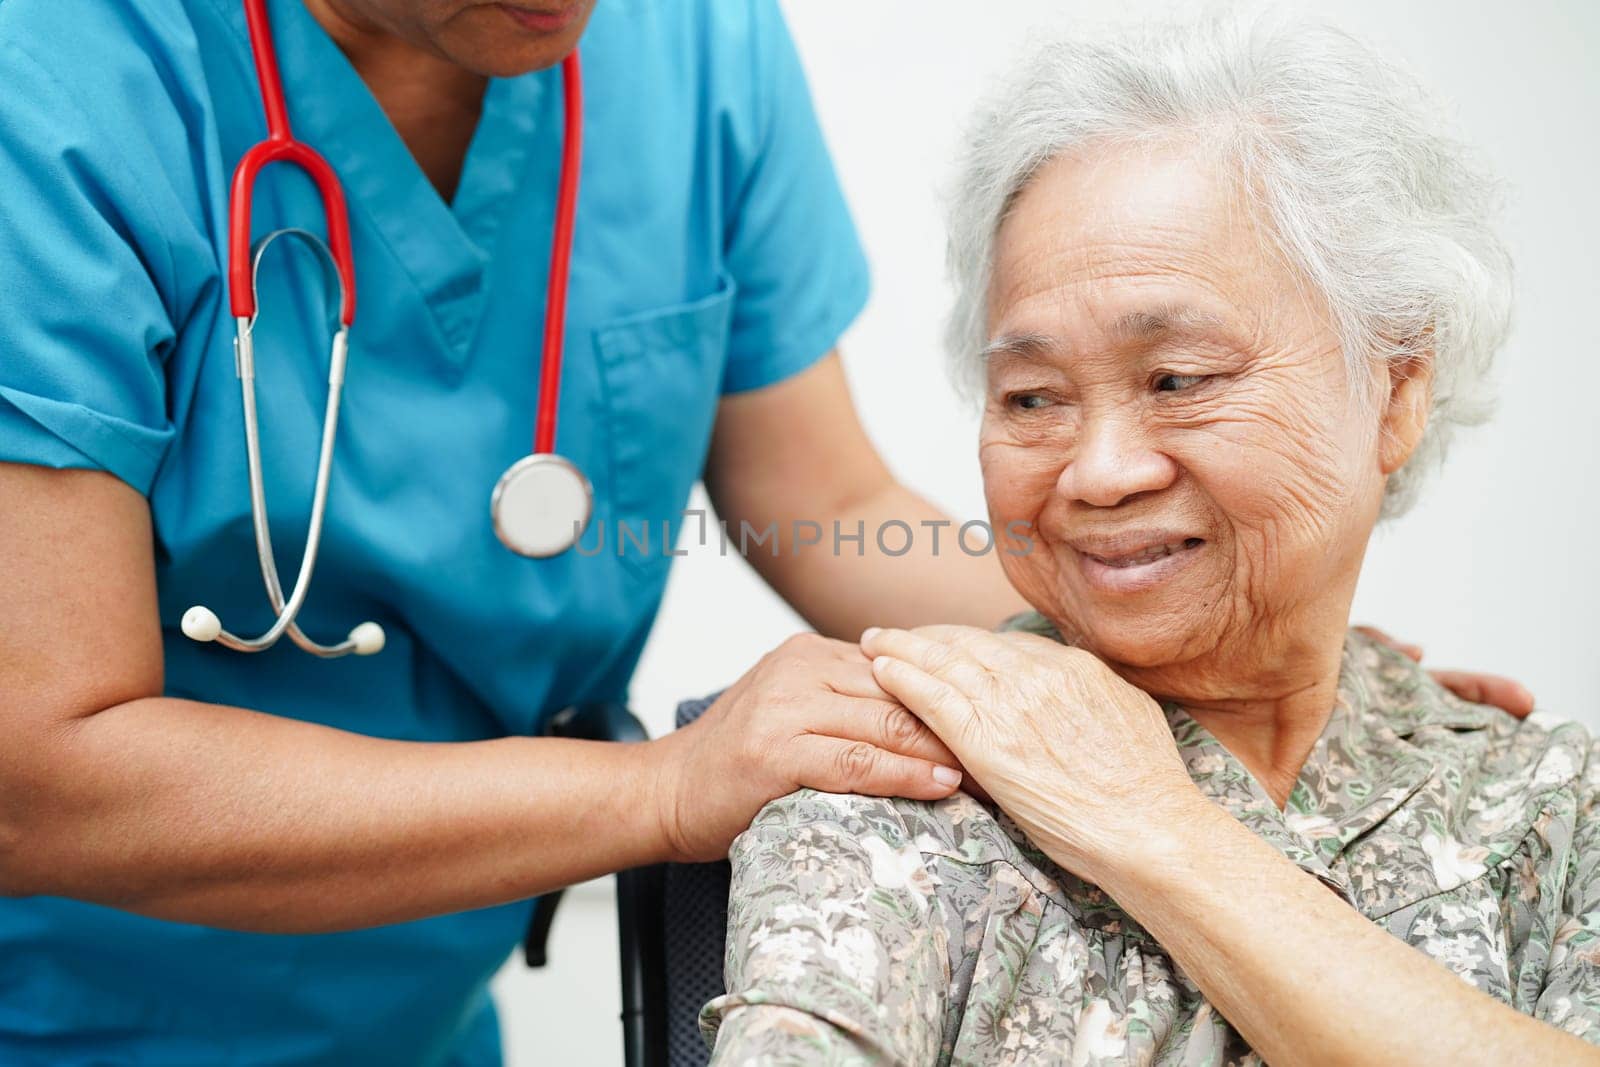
[1114, 461]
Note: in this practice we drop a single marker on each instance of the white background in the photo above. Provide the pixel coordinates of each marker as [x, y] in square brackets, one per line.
[1496, 568]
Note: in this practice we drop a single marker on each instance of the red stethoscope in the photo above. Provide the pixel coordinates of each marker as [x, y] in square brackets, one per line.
[541, 504]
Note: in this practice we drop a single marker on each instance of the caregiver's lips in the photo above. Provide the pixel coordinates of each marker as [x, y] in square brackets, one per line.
[542, 21]
[1134, 560]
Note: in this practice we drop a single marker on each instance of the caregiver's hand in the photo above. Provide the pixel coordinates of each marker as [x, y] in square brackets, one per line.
[809, 714]
[1082, 760]
[1475, 687]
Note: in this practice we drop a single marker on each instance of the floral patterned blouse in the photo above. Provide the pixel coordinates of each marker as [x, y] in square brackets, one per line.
[863, 930]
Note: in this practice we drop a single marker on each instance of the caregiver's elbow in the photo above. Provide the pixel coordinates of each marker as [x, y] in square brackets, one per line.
[36, 776]
[17, 876]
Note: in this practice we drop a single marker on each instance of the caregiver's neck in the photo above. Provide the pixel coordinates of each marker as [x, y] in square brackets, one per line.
[431, 102]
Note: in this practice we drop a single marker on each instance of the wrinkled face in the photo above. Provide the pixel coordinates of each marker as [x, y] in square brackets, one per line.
[1169, 408]
[493, 39]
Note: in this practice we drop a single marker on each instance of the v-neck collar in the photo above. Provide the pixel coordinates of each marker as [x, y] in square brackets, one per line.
[1363, 767]
[1362, 770]
[445, 250]
[1228, 783]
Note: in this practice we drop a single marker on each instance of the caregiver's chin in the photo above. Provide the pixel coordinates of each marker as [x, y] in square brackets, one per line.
[1168, 406]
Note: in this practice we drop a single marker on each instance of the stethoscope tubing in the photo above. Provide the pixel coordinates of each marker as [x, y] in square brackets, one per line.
[555, 298]
[280, 145]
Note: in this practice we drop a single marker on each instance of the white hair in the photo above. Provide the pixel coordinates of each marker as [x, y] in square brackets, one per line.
[1351, 165]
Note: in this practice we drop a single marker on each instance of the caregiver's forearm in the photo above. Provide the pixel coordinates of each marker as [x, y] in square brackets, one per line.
[1300, 974]
[227, 817]
[841, 590]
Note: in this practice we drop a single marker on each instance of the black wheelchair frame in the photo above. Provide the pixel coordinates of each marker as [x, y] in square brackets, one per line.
[640, 895]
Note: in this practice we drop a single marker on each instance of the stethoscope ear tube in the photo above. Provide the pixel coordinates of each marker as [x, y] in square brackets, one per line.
[202, 624]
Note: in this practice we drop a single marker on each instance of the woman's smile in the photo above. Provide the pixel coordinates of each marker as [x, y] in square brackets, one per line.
[1134, 562]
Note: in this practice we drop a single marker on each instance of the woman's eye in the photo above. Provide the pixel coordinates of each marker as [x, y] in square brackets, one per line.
[1174, 383]
[1027, 401]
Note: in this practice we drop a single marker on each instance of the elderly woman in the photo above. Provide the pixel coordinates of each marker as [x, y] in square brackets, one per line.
[1232, 293]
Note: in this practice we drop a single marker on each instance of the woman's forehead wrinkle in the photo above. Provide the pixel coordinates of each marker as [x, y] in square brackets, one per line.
[1087, 230]
[1125, 296]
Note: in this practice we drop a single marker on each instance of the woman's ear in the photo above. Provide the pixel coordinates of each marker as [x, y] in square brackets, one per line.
[1410, 398]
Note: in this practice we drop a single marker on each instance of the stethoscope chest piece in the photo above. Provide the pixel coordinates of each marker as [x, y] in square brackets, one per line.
[541, 505]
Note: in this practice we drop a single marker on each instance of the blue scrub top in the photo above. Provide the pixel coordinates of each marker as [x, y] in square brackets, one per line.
[713, 254]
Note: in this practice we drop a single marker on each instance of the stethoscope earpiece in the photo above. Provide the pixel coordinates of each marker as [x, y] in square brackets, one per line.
[201, 624]
[367, 639]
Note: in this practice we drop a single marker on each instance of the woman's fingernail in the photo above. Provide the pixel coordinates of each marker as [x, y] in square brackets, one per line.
[946, 776]
[869, 633]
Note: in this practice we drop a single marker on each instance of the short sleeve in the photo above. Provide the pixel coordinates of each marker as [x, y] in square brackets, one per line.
[84, 328]
[832, 956]
[791, 246]
[1570, 998]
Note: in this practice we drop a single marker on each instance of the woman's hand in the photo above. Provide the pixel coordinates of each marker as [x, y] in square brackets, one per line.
[809, 714]
[1077, 756]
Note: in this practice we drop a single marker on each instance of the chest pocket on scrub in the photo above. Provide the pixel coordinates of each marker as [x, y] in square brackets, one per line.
[662, 376]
